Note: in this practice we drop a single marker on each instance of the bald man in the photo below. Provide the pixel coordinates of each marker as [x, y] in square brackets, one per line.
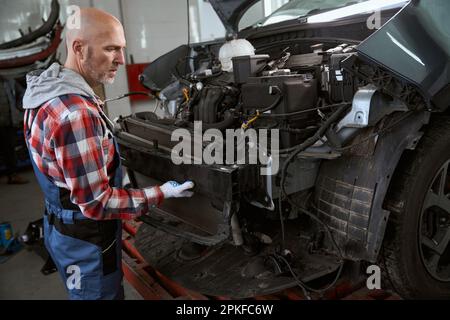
[77, 163]
[95, 50]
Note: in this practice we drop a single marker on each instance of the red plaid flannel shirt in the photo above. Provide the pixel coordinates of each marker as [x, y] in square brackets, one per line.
[72, 146]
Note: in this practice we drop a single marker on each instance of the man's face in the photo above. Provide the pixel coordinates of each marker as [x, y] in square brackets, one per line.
[104, 54]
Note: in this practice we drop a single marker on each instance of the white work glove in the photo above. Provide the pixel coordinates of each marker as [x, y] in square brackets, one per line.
[173, 189]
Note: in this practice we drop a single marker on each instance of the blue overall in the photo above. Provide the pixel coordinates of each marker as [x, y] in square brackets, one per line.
[86, 252]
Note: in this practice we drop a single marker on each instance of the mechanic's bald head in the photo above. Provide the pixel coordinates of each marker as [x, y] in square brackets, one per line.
[95, 45]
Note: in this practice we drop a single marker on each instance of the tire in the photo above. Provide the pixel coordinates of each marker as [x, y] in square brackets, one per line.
[411, 263]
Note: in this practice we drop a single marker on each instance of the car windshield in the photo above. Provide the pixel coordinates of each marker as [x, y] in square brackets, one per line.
[326, 10]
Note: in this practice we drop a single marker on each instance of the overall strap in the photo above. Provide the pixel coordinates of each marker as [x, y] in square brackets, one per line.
[57, 200]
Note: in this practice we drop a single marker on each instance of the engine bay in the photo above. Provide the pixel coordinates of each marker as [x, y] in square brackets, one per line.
[342, 118]
[286, 90]
[323, 102]
[293, 92]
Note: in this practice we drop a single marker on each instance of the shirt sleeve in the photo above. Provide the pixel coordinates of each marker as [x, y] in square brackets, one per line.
[77, 143]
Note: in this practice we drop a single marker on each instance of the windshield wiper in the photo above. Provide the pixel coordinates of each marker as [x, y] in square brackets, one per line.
[304, 18]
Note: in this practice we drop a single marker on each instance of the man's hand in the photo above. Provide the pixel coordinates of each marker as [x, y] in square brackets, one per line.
[173, 189]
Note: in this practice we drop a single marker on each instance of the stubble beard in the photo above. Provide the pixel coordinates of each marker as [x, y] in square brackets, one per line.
[98, 77]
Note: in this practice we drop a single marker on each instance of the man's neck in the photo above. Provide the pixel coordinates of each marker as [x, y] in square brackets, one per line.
[74, 67]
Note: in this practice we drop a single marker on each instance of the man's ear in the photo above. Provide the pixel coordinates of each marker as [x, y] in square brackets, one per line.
[77, 48]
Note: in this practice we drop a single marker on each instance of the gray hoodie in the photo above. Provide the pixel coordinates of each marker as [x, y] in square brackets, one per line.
[55, 81]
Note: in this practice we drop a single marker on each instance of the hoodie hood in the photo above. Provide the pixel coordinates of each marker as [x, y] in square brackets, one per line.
[55, 81]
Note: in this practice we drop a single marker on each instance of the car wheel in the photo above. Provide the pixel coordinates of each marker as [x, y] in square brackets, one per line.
[416, 249]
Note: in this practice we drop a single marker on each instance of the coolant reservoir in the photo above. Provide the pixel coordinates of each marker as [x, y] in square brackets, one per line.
[234, 48]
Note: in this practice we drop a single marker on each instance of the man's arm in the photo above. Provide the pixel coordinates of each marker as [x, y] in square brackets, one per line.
[77, 143]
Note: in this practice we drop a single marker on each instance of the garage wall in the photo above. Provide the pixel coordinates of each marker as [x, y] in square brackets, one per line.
[205, 24]
[152, 27]
[150, 31]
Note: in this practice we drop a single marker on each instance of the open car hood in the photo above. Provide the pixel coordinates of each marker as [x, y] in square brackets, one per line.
[231, 11]
[415, 44]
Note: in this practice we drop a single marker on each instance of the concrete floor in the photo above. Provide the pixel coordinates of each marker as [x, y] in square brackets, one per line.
[20, 276]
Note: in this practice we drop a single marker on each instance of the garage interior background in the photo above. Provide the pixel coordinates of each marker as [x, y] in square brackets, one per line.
[152, 27]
